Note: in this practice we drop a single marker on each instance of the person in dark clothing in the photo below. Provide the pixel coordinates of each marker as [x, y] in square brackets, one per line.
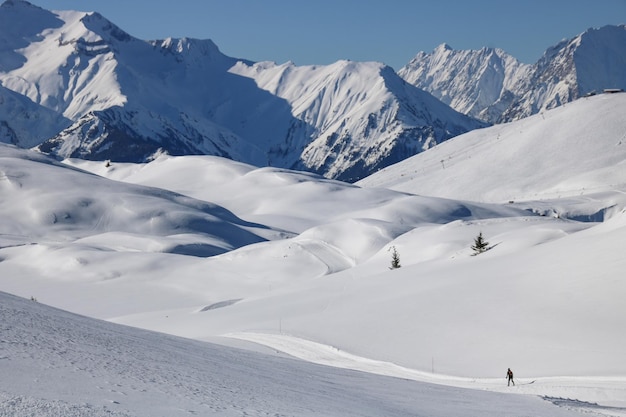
[509, 377]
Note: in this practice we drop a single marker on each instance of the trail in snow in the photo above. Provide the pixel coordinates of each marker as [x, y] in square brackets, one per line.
[329, 255]
[605, 395]
[56, 363]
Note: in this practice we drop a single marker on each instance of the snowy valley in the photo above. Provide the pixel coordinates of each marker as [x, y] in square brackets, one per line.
[224, 252]
[186, 233]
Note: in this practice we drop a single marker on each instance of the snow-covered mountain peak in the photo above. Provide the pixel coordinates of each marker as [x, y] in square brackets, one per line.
[96, 23]
[42, 23]
[14, 34]
[585, 64]
[474, 82]
[203, 54]
[204, 47]
[605, 36]
[444, 47]
[494, 86]
[64, 60]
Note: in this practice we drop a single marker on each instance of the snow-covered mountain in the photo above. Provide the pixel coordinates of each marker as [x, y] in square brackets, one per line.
[128, 98]
[481, 83]
[98, 93]
[131, 99]
[493, 86]
[589, 63]
[361, 116]
[24, 123]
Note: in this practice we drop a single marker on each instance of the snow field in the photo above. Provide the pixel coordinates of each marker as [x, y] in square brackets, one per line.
[64, 364]
[265, 253]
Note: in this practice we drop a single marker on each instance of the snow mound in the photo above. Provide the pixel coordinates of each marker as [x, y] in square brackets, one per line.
[45, 199]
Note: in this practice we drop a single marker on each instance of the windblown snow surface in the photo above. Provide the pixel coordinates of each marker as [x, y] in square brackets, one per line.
[265, 263]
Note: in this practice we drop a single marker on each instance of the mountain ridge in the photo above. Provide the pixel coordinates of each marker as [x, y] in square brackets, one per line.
[375, 113]
[125, 99]
[474, 82]
[493, 86]
[182, 96]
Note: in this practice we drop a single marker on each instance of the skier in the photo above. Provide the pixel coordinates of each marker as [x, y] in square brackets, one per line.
[509, 377]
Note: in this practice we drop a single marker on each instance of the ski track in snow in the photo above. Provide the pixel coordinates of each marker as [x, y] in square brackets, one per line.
[329, 255]
[602, 395]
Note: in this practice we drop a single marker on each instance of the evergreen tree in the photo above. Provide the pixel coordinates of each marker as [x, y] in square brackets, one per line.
[480, 244]
[395, 258]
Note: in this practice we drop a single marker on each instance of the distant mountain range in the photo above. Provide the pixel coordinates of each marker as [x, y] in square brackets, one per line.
[75, 85]
[493, 86]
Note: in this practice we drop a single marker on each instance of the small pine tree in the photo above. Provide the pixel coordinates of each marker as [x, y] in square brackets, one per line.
[480, 244]
[395, 258]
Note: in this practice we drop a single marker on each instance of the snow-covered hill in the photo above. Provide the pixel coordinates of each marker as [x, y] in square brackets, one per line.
[493, 86]
[578, 149]
[130, 99]
[308, 273]
[59, 364]
[44, 201]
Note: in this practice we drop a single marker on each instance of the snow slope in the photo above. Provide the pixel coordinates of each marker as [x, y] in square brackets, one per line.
[56, 363]
[24, 123]
[575, 150]
[38, 204]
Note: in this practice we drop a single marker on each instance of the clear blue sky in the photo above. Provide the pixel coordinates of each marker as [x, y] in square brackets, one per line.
[324, 31]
